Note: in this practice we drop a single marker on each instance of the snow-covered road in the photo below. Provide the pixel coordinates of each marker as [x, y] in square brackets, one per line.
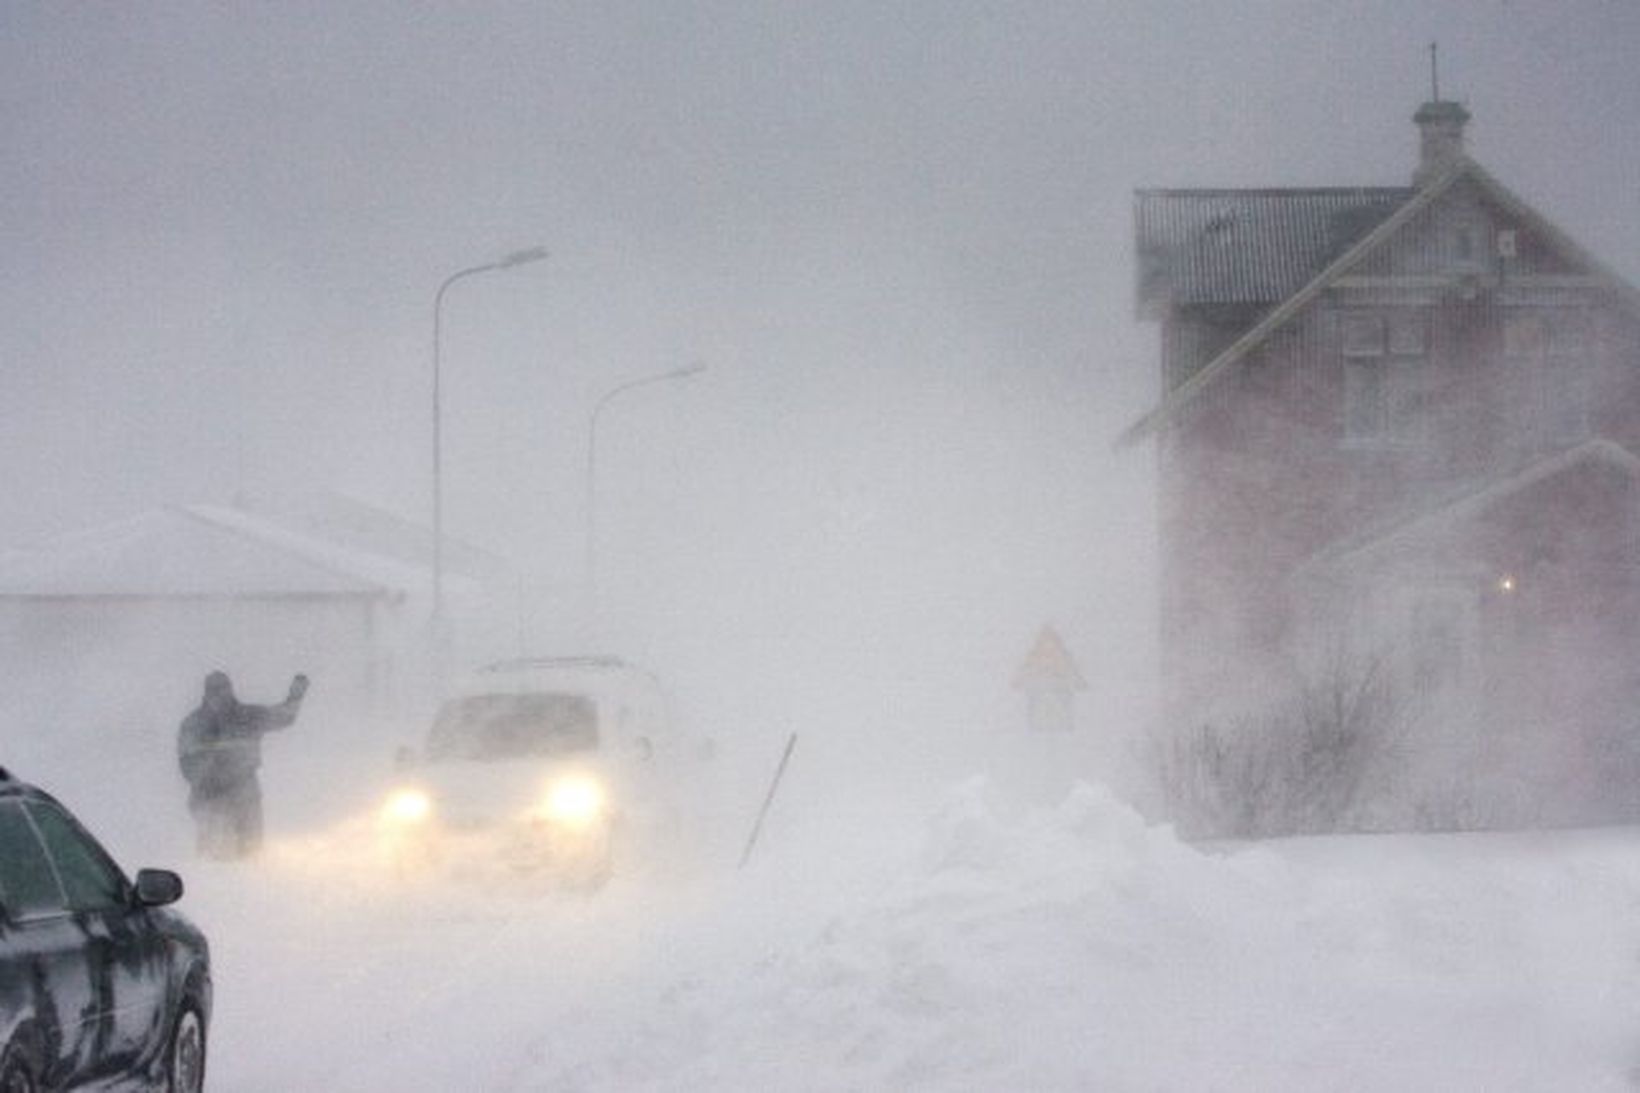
[979, 945]
[892, 932]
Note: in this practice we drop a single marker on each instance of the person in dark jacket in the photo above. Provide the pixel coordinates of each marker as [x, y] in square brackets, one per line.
[219, 748]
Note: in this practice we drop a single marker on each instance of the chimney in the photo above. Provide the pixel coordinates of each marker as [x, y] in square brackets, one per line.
[1440, 138]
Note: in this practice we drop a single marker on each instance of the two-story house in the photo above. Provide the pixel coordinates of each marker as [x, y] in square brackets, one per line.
[1404, 421]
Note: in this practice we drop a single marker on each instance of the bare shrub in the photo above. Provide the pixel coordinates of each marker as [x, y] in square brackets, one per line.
[1485, 802]
[1311, 760]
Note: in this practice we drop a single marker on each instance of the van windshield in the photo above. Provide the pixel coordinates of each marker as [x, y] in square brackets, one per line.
[509, 726]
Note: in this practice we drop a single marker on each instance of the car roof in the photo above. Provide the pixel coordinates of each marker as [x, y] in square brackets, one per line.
[558, 666]
[13, 786]
[594, 673]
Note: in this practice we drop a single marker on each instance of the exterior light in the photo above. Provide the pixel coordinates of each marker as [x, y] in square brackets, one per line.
[519, 257]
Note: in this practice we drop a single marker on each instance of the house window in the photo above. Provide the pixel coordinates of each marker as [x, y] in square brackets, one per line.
[1363, 336]
[1523, 335]
[1566, 394]
[1408, 335]
[1548, 355]
[1465, 245]
[1471, 249]
[1439, 626]
[1385, 378]
[1569, 335]
[1366, 403]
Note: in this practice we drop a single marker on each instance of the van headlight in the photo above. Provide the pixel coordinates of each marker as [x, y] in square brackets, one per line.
[406, 808]
[575, 800]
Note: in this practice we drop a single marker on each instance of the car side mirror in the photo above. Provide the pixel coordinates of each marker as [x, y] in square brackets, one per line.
[157, 887]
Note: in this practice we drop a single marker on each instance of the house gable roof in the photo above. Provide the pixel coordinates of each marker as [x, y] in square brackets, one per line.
[1418, 201]
[1469, 503]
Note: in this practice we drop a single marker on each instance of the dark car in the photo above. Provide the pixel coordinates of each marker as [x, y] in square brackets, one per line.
[100, 983]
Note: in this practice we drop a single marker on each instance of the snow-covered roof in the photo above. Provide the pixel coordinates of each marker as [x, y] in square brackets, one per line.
[592, 673]
[198, 551]
[365, 528]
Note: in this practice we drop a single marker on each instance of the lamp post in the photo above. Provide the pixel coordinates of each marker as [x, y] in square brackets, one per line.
[592, 472]
[508, 261]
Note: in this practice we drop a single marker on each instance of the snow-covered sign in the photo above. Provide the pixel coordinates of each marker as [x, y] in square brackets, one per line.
[1050, 679]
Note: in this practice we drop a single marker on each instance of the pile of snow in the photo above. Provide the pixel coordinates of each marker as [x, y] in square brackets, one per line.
[1079, 949]
[987, 945]
[975, 938]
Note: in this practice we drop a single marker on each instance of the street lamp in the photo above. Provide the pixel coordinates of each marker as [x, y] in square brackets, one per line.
[592, 471]
[508, 261]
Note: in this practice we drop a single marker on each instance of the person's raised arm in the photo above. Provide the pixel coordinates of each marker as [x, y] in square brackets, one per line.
[268, 718]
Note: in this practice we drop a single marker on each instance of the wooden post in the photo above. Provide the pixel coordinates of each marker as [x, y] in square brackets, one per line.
[757, 828]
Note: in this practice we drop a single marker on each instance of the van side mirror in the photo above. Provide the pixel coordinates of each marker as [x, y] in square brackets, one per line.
[157, 887]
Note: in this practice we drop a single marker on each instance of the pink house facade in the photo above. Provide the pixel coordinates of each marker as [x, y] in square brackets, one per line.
[1401, 425]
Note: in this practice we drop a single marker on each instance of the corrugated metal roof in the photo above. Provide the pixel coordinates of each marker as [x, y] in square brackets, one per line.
[1375, 230]
[1248, 246]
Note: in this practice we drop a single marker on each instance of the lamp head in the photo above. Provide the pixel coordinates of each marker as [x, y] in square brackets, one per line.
[521, 257]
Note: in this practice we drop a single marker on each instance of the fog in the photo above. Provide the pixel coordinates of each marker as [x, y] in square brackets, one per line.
[898, 239]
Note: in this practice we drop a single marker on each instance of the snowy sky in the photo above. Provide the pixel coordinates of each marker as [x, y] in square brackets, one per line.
[898, 235]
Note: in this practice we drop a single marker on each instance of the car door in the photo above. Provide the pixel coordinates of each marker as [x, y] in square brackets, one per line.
[128, 957]
[46, 954]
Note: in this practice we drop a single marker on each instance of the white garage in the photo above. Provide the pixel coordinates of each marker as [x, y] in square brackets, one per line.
[121, 622]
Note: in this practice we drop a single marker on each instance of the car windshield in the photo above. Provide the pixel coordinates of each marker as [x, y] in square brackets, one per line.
[506, 726]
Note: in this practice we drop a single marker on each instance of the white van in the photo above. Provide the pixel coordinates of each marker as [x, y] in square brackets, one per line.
[531, 767]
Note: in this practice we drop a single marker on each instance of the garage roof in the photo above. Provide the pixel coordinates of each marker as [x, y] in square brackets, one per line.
[199, 552]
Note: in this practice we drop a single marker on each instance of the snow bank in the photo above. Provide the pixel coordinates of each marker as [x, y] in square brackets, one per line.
[1077, 948]
[986, 964]
[984, 945]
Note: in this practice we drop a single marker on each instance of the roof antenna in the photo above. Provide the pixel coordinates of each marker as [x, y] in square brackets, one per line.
[1434, 74]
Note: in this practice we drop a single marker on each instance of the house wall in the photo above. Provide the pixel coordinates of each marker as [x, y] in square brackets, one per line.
[1561, 676]
[1262, 471]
